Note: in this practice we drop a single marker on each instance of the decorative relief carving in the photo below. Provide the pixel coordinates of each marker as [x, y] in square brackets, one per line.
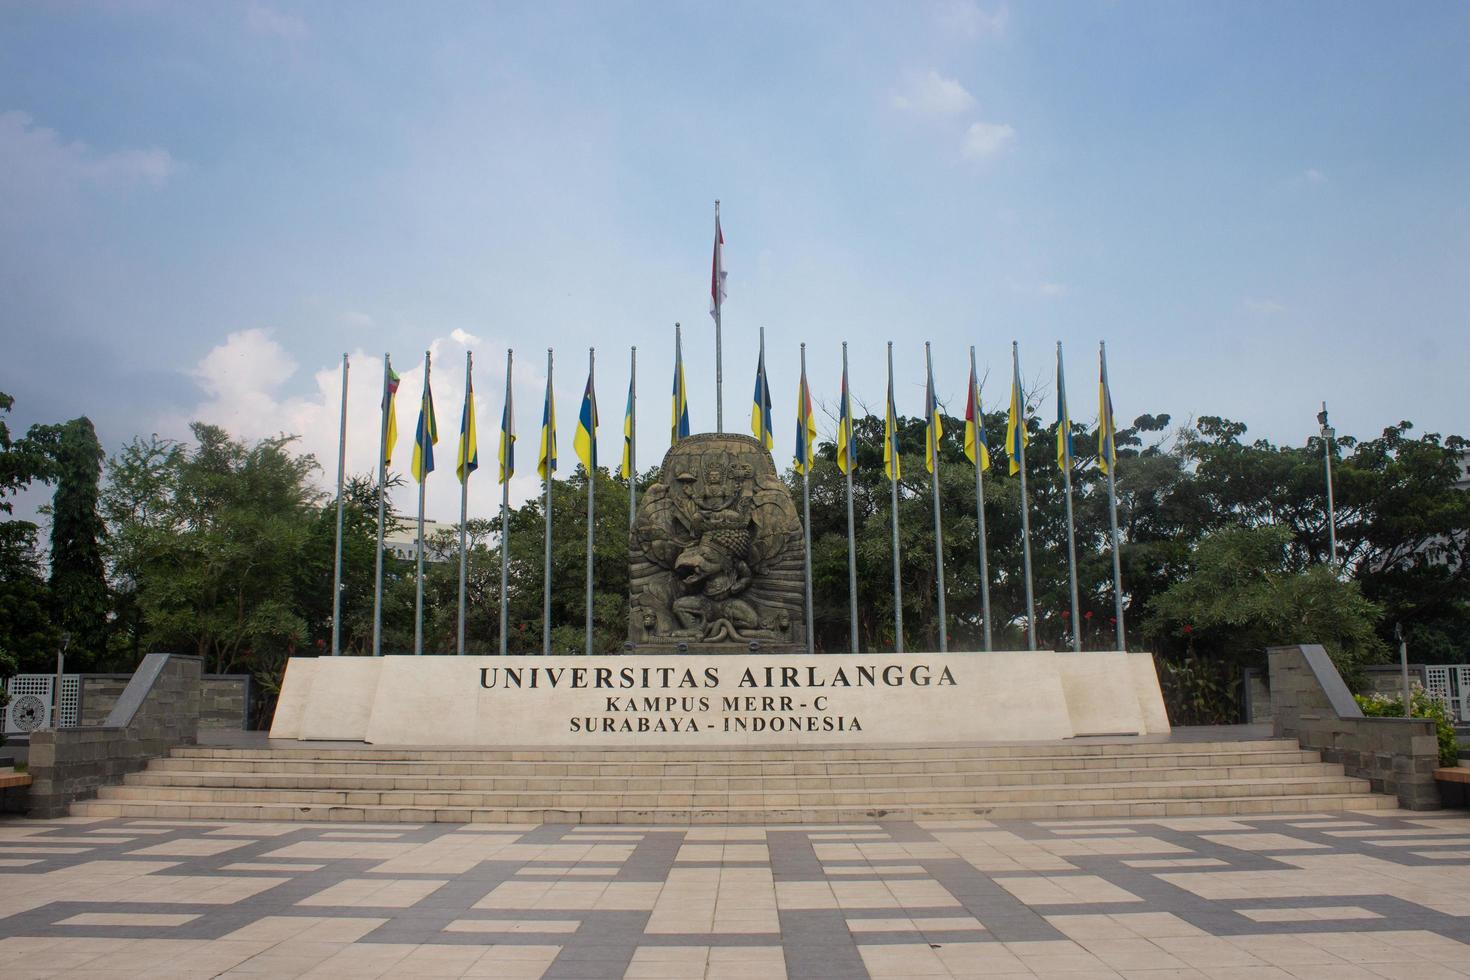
[716, 552]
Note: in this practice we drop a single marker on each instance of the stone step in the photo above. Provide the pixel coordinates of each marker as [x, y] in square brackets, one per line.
[1224, 806]
[328, 764]
[1073, 748]
[1196, 790]
[535, 782]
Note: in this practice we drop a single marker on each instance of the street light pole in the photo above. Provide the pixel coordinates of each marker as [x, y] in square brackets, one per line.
[1328, 434]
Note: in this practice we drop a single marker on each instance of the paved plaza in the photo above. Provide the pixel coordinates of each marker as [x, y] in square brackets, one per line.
[1351, 895]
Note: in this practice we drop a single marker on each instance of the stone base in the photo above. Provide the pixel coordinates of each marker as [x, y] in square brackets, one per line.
[762, 700]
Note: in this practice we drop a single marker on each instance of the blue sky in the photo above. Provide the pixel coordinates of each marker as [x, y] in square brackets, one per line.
[1258, 205]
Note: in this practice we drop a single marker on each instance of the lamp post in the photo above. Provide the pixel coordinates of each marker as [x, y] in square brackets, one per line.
[1328, 434]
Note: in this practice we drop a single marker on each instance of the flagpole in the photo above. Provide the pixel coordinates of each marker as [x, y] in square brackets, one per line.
[1065, 419]
[382, 510]
[806, 509]
[852, 609]
[1025, 516]
[932, 408]
[464, 497]
[980, 503]
[418, 575]
[507, 436]
[719, 359]
[632, 437]
[893, 491]
[337, 561]
[591, 482]
[550, 423]
[1102, 353]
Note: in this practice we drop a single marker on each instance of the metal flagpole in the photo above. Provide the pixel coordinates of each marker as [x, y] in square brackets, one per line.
[591, 483]
[715, 284]
[337, 561]
[418, 576]
[1025, 517]
[550, 422]
[1112, 459]
[1327, 435]
[1065, 419]
[931, 408]
[464, 499]
[888, 409]
[508, 436]
[806, 508]
[382, 509]
[852, 610]
[980, 504]
[632, 437]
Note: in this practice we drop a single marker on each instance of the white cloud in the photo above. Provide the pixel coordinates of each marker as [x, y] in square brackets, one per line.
[34, 156]
[354, 318]
[985, 139]
[266, 20]
[464, 338]
[931, 94]
[966, 19]
[1264, 306]
[1314, 176]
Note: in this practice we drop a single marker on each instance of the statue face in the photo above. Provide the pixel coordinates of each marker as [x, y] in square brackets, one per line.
[697, 563]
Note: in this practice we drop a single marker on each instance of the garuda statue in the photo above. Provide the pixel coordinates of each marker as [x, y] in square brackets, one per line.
[716, 553]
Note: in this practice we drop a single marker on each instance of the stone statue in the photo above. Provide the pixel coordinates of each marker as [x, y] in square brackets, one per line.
[716, 553]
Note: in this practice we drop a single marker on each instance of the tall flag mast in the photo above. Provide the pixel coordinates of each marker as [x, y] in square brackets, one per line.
[717, 300]
[630, 438]
[806, 437]
[1016, 448]
[979, 454]
[507, 470]
[1107, 461]
[585, 443]
[760, 409]
[546, 466]
[679, 427]
[934, 431]
[1064, 463]
[387, 437]
[426, 435]
[893, 470]
[469, 461]
[337, 561]
[847, 462]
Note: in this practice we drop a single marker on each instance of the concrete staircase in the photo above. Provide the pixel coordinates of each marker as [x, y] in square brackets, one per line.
[1056, 780]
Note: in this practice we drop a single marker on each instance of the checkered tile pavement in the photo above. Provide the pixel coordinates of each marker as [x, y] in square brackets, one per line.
[1380, 894]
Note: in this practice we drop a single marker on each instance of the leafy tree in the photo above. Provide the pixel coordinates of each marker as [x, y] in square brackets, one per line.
[28, 637]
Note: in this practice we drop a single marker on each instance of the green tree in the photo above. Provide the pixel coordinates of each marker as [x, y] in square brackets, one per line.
[28, 636]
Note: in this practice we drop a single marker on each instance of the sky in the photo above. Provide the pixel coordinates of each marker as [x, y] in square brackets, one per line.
[1259, 206]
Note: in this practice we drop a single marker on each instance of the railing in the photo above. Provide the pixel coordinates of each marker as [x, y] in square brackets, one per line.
[1451, 684]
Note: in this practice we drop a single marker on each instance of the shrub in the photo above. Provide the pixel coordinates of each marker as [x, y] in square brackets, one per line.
[1422, 704]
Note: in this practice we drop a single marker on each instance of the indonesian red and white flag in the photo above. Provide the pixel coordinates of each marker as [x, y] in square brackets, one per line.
[717, 272]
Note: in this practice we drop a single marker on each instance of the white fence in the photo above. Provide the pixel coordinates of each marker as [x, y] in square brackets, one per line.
[30, 704]
[1451, 684]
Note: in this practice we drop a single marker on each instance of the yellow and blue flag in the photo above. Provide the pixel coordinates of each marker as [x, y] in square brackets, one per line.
[846, 447]
[892, 461]
[760, 409]
[390, 412]
[1107, 450]
[806, 427]
[546, 463]
[1064, 421]
[507, 439]
[976, 449]
[585, 439]
[679, 427]
[1016, 437]
[933, 427]
[626, 470]
[469, 441]
[425, 436]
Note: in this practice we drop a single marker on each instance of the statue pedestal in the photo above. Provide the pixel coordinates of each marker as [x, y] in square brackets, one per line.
[699, 700]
